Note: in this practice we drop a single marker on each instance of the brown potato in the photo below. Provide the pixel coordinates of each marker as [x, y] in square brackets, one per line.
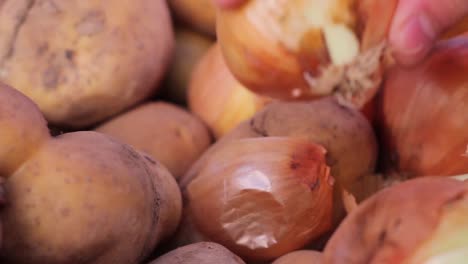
[166, 132]
[83, 61]
[300, 257]
[80, 197]
[199, 15]
[199, 253]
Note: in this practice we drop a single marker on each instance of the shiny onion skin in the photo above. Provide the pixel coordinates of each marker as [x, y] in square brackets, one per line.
[420, 221]
[217, 97]
[424, 120]
[263, 197]
[306, 49]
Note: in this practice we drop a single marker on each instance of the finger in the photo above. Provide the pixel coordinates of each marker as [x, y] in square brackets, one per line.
[417, 24]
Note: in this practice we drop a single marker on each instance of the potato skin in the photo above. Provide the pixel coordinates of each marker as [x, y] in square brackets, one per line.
[83, 198]
[166, 132]
[199, 253]
[22, 129]
[82, 61]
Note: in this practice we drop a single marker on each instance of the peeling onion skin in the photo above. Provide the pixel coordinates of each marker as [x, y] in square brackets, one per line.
[266, 196]
[414, 222]
[261, 33]
[424, 117]
[217, 97]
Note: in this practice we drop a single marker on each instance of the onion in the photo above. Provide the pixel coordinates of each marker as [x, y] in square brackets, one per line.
[263, 197]
[420, 221]
[307, 49]
[344, 132]
[217, 97]
[199, 15]
[189, 48]
[424, 114]
[300, 257]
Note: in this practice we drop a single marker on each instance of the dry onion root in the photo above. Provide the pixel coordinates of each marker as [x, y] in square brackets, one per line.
[217, 97]
[307, 49]
[421, 221]
[265, 196]
[424, 113]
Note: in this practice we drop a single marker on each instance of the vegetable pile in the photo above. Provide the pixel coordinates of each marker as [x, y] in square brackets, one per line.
[282, 132]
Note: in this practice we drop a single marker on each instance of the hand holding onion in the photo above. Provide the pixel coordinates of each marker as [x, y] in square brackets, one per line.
[411, 39]
[325, 47]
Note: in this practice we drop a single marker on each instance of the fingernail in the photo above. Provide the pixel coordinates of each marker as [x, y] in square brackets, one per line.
[415, 38]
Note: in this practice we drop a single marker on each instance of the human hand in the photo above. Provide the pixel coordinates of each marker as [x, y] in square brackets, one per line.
[418, 23]
[415, 27]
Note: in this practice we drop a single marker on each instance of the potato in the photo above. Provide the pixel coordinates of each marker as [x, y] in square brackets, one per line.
[199, 15]
[166, 132]
[199, 253]
[300, 257]
[84, 61]
[80, 197]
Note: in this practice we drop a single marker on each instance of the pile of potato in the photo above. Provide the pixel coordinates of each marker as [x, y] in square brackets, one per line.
[167, 132]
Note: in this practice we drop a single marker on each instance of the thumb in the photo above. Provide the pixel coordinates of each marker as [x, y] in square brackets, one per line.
[417, 24]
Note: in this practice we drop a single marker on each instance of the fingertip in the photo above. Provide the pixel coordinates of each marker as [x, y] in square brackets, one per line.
[412, 40]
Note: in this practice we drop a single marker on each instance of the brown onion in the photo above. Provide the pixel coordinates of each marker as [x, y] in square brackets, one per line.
[263, 197]
[344, 132]
[217, 97]
[190, 46]
[306, 49]
[421, 221]
[424, 113]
